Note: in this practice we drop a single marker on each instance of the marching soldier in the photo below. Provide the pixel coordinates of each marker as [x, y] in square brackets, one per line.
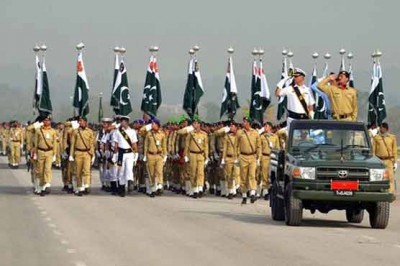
[343, 98]
[183, 167]
[300, 100]
[4, 138]
[60, 135]
[140, 165]
[269, 141]
[45, 143]
[126, 153]
[230, 160]
[100, 151]
[67, 169]
[249, 154]
[196, 154]
[16, 143]
[30, 149]
[155, 156]
[82, 153]
[385, 148]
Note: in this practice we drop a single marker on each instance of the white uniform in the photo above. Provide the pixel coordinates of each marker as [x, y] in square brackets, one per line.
[112, 172]
[125, 172]
[99, 155]
[293, 102]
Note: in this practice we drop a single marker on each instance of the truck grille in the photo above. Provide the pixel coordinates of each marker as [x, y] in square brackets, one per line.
[327, 173]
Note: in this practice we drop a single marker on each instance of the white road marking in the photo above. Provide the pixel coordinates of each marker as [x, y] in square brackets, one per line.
[44, 213]
[71, 251]
[80, 263]
[56, 232]
[64, 242]
[52, 225]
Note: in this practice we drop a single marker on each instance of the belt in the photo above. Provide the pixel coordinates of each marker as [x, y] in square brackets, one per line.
[154, 153]
[245, 153]
[125, 150]
[16, 141]
[40, 149]
[266, 154]
[297, 115]
[229, 155]
[82, 150]
[385, 157]
[197, 152]
[341, 116]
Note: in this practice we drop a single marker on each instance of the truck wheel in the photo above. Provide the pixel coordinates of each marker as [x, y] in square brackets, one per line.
[293, 208]
[379, 215]
[277, 205]
[354, 216]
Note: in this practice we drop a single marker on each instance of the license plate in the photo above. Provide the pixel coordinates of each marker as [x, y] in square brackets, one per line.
[344, 193]
[344, 185]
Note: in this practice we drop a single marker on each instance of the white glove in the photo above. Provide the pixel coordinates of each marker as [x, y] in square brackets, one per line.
[311, 114]
[54, 159]
[206, 162]
[227, 129]
[261, 130]
[395, 166]
[223, 162]
[189, 129]
[114, 158]
[147, 127]
[74, 124]
[164, 159]
[186, 159]
[145, 158]
[236, 162]
[258, 162]
[71, 158]
[92, 162]
[37, 125]
[22, 146]
[35, 156]
[135, 157]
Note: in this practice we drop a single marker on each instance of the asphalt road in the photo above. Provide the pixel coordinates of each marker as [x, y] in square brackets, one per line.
[100, 229]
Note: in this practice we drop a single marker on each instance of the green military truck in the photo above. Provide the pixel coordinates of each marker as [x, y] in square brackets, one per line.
[329, 165]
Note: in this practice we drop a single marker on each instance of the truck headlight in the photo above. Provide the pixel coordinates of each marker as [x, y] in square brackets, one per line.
[304, 172]
[378, 174]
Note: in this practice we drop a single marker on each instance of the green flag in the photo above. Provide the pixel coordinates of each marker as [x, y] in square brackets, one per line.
[194, 89]
[230, 102]
[114, 98]
[121, 91]
[81, 95]
[377, 104]
[282, 101]
[152, 99]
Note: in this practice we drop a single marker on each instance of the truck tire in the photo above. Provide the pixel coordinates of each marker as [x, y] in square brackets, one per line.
[293, 208]
[277, 205]
[354, 216]
[379, 215]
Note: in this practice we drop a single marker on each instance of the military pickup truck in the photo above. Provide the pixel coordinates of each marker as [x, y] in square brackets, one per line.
[329, 165]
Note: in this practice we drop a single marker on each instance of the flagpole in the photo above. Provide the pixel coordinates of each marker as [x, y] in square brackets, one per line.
[230, 52]
[100, 114]
[36, 50]
[327, 56]
[342, 52]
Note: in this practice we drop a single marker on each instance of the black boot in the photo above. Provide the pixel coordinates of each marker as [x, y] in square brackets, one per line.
[113, 188]
[244, 200]
[230, 196]
[253, 198]
[218, 193]
[130, 186]
[212, 191]
[121, 190]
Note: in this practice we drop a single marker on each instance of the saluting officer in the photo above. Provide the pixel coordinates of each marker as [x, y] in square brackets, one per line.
[249, 154]
[300, 100]
[196, 154]
[82, 153]
[385, 148]
[45, 143]
[155, 150]
[343, 98]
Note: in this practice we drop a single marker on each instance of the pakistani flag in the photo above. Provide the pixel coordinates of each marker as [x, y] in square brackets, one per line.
[377, 105]
[351, 80]
[38, 85]
[260, 95]
[321, 98]
[151, 100]
[121, 91]
[81, 95]
[194, 89]
[100, 114]
[282, 101]
[114, 98]
[44, 105]
[230, 101]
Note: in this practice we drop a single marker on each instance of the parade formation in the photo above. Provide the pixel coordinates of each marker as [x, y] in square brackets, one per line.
[187, 156]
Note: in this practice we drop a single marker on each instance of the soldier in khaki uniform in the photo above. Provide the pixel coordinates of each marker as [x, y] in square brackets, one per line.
[343, 98]
[4, 138]
[385, 148]
[155, 150]
[269, 141]
[30, 149]
[45, 142]
[60, 134]
[16, 141]
[196, 154]
[230, 160]
[183, 168]
[82, 153]
[249, 154]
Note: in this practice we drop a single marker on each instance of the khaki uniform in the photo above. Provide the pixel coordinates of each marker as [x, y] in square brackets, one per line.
[385, 148]
[343, 101]
[155, 149]
[68, 169]
[196, 149]
[82, 150]
[140, 167]
[30, 148]
[45, 141]
[183, 168]
[229, 155]
[269, 141]
[248, 151]
[16, 140]
[4, 140]
[58, 151]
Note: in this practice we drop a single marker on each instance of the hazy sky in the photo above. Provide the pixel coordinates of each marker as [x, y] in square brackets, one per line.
[176, 25]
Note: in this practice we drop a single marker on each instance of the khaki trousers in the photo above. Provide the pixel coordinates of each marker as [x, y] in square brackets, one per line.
[248, 167]
[82, 164]
[15, 152]
[155, 167]
[389, 167]
[265, 171]
[196, 164]
[44, 163]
